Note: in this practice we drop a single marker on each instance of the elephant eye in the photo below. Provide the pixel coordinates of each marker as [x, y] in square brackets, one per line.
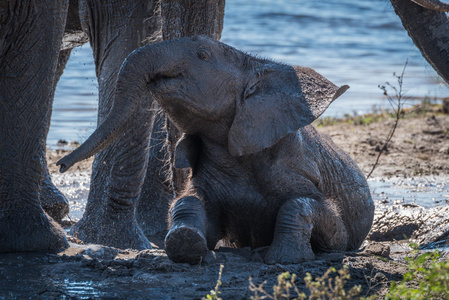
[204, 54]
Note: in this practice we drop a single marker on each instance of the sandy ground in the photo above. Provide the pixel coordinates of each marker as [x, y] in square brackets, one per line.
[419, 147]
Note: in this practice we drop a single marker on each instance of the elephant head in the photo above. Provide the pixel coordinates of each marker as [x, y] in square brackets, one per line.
[215, 91]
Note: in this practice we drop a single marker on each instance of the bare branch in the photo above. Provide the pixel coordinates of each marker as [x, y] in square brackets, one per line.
[433, 5]
[397, 103]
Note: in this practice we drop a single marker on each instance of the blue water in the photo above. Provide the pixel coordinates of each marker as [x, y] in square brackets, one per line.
[360, 43]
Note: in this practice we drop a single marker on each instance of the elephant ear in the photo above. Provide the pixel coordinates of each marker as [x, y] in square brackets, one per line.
[278, 100]
[187, 151]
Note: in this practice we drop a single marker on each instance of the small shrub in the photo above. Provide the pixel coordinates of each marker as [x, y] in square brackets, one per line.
[324, 287]
[286, 282]
[427, 278]
[215, 292]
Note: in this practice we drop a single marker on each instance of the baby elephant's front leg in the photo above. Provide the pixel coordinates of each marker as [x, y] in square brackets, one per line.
[186, 240]
[292, 234]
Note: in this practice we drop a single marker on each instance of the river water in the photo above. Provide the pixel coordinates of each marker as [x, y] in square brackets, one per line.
[359, 43]
[426, 191]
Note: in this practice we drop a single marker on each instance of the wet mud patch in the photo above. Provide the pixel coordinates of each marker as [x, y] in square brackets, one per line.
[93, 271]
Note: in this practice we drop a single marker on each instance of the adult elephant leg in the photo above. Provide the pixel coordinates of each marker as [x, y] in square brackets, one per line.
[117, 225]
[157, 191]
[52, 200]
[31, 34]
[115, 29]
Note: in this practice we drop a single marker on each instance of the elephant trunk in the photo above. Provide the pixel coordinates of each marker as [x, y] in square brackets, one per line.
[131, 89]
[433, 5]
[429, 31]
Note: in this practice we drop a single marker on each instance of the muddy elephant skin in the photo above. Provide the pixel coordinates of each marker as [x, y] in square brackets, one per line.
[260, 174]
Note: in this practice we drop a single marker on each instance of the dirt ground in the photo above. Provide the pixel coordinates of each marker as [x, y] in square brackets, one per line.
[420, 146]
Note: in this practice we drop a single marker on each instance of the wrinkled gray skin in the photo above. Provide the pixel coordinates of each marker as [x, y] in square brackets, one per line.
[114, 189]
[52, 200]
[429, 30]
[98, 225]
[31, 34]
[115, 28]
[261, 175]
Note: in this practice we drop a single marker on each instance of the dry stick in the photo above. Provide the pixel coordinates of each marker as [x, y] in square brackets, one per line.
[397, 109]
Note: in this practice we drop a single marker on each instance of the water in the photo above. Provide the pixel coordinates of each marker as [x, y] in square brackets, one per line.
[75, 187]
[425, 191]
[360, 43]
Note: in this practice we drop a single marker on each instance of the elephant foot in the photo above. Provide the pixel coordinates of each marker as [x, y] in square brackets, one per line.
[52, 200]
[151, 216]
[154, 231]
[113, 231]
[86, 229]
[27, 230]
[292, 234]
[185, 245]
[289, 254]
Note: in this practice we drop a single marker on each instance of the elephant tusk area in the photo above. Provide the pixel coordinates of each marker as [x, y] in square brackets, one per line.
[435, 5]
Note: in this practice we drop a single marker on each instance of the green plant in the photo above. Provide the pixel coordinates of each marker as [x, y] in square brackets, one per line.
[327, 288]
[215, 292]
[324, 287]
[282, 290]
[427, 278]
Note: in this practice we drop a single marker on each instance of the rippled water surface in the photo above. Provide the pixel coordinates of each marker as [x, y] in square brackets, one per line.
[360, 43]
[424, 191]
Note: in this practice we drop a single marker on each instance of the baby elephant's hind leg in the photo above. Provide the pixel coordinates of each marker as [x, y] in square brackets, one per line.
[329, 232]
[186, 240]
[292, 234]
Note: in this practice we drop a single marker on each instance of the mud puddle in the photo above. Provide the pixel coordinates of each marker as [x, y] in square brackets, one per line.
[58, 276]
[93, 271]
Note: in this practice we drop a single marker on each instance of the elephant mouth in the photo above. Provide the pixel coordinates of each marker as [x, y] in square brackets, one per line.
[165, 83]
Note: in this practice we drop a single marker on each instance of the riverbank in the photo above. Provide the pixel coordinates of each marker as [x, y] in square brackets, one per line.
[419, 147]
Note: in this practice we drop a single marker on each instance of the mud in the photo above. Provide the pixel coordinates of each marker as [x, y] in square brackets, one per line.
[419, 147]
[92, 271]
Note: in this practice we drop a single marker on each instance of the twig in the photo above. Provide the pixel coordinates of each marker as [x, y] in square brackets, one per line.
[397, 102]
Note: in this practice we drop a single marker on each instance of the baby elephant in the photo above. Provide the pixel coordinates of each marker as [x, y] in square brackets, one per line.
[261, 175]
